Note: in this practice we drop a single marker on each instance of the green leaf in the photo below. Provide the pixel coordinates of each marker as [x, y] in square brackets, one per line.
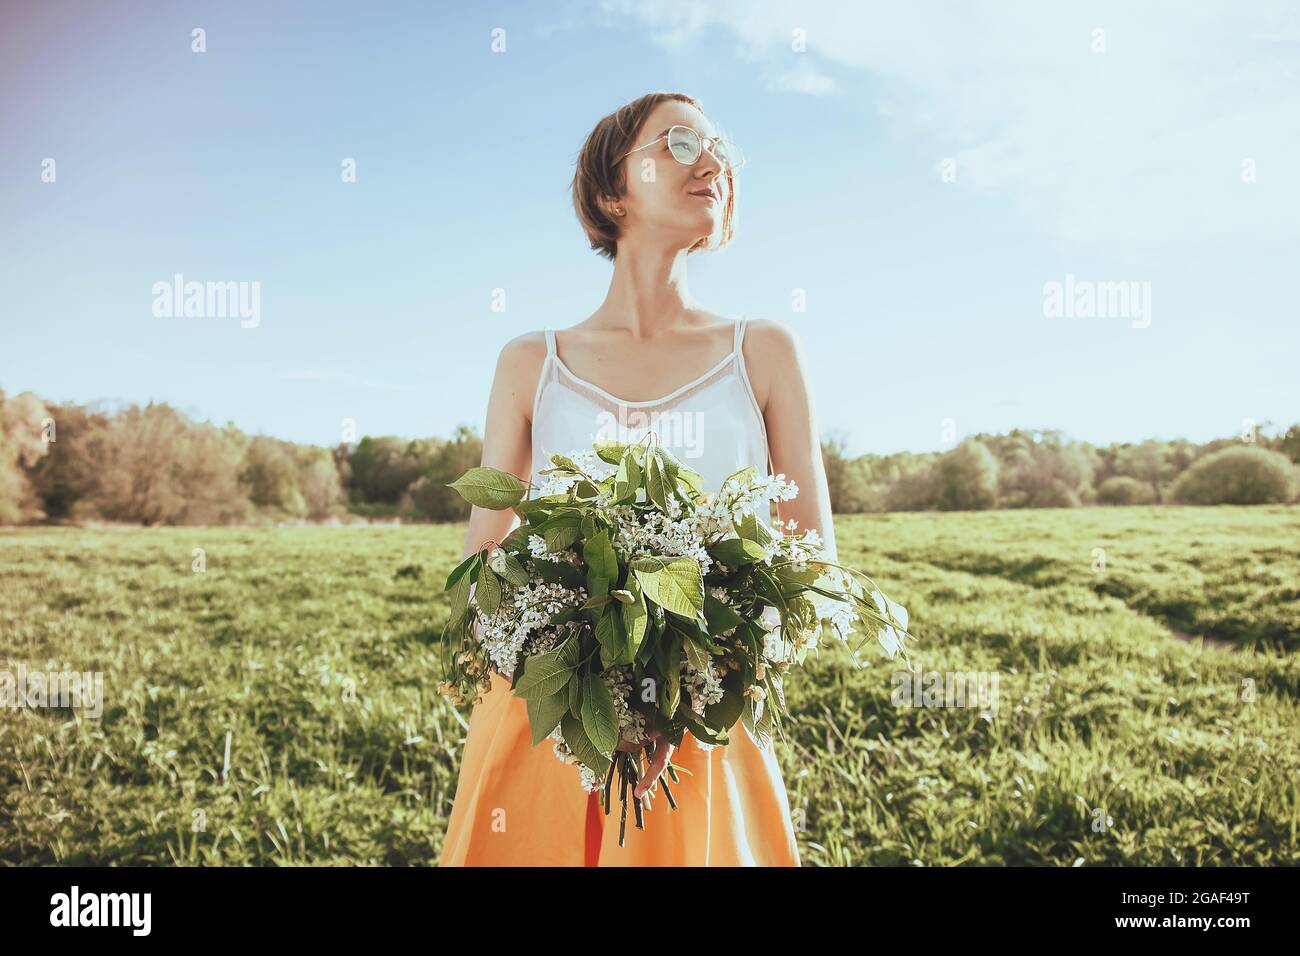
[602, 564]
[693, 480]
[460, 593]
[747, 716]
[575, 695]
[544, 674]
[596, 603]
[515, 573]
[700, 731]
[696, 656]
[669, 470]
[760, 728]
[516, 542]
[490, 488]
[726, 712]
[459, 571]
[635, 618]
[488, 592]
[598, 716]
[737, 552]
[670, 690]
[674, 584]
[628, 477]
[775, 687]
[560, 572]
[612, 638]
[609, 450]
[560, 534]
[545, 713]
[536, 511]
[642, 656]
[656, 482]
[569, 652]
[751, 529]
[766, 723]
[667, 648]
[581, 745]
[721, 617]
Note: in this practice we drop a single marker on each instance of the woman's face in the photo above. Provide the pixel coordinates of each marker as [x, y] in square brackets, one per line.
[664, 200]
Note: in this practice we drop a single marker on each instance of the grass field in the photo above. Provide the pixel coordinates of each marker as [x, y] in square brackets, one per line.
[1119, 736]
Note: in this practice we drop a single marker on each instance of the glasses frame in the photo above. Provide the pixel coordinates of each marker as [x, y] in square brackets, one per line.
[705, 142]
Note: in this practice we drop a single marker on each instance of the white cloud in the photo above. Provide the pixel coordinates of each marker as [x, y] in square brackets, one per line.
[1144, 141]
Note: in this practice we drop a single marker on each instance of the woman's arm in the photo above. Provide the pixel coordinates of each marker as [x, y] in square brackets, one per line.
[775, 362]
[507, 435]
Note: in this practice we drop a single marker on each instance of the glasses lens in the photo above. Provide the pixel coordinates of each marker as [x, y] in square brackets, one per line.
[684, 144]
[729, 154]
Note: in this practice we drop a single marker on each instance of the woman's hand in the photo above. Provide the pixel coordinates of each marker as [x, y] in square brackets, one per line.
[659, 758]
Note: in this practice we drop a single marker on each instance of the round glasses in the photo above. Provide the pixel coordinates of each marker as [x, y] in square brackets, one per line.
[687, 146]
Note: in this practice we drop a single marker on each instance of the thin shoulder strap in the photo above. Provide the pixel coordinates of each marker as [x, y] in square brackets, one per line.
[550, 342]
[740, 334]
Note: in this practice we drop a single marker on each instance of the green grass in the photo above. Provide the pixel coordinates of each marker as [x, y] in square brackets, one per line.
[1115, 741]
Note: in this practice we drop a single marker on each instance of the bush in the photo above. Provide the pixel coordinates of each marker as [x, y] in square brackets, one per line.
[846, 479]
[1123, 490]
[965, 479]
[1242, 475]
[153, 466]
[22, 444]
[1042, 470]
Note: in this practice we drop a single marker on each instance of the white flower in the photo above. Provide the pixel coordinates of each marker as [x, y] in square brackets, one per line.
[587, 460]
[631, 723]
[704, 687]
[775, 648]
[524, 612]
[538, 548]
[842, 619]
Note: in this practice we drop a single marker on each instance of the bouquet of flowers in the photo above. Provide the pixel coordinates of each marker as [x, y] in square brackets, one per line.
[628, 600]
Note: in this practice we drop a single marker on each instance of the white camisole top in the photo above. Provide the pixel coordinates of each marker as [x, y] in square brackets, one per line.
[712, 423]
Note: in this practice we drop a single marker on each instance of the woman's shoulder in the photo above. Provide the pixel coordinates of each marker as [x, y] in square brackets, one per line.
[522, 357]
[525, 349]
[769, 343]
[770, 351]
[770, 332]
[519, 368]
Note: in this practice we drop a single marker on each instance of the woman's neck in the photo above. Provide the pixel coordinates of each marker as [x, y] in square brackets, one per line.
[648, 293]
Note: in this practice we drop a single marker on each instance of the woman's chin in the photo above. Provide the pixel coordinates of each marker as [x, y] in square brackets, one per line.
[705, 226]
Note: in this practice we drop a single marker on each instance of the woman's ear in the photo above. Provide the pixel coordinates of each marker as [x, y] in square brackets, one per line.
[613, 207]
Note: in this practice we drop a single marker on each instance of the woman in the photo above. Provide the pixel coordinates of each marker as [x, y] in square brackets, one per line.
[653, 184]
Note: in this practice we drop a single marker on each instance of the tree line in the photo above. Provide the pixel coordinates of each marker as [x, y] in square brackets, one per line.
[1043, 469]
[154, 465]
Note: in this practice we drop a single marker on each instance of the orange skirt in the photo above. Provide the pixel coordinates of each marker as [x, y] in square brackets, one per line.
[520, 805]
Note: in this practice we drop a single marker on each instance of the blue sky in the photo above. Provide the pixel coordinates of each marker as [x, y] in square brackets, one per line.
[919, 173]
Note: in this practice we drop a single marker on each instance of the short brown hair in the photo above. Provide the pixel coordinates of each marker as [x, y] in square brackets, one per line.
[599, 173]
